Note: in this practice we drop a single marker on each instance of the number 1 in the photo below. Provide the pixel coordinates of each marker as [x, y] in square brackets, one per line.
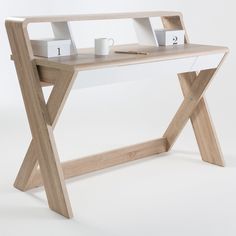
[59, 51]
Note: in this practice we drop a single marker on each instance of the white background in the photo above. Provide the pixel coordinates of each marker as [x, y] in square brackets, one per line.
[176, 194]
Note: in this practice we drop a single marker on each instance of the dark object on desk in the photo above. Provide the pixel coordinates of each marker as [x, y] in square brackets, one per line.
[132, 52]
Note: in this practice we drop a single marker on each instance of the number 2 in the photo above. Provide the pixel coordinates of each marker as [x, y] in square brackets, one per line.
[175, 40]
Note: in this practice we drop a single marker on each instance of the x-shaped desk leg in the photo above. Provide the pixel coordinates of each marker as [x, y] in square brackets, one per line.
[55, 105]
[203, 126]
[41, 118]
[193, 107]
[200, 118]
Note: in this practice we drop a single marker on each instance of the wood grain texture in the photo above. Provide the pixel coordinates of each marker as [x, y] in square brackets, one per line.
[187, 107]
[49, 75]
[210, 149]
[39, 120]
[55, 105]
[35, 72]
[86, 60]
[107, 159]
[201, 121]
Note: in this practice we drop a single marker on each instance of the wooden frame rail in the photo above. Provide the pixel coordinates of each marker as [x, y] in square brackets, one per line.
[107, 159]
[41, 165]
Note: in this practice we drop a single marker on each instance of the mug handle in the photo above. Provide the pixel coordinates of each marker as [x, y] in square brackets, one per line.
[112, 41]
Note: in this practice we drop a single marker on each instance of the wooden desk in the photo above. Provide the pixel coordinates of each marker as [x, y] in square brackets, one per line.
[196, 66]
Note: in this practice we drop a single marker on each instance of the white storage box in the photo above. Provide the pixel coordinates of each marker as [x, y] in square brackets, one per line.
[170, 37]
[51, 47]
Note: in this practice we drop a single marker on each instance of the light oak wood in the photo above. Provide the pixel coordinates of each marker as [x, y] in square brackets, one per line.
[210, 149]
[187, 107]
[201, 121]
[39, 120]
[86, 60]
[55, 105]
[49, 75]
[104, 160]
[36, 72]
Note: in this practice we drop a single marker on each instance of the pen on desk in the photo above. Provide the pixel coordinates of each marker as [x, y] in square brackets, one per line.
[132, 52]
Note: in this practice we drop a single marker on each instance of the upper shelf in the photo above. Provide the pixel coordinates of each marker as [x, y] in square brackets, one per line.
[86, 60]
[85, 17]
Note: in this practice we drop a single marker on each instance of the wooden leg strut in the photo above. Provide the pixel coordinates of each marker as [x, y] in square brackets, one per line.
[201, 121]
[39, 120]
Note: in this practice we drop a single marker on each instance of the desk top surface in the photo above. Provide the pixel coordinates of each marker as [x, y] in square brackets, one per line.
[86, 60]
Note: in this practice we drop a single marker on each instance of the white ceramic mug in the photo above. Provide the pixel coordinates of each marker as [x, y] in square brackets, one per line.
[102, 46]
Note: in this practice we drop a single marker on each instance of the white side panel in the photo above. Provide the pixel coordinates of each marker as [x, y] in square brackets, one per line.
[207, 62]
[183, 65]
[62, 30]
[145, 32]
[161, 68]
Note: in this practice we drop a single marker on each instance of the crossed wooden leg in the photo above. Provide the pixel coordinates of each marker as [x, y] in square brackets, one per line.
[40, 120]
[43, 117]
[203, 126]
[55, 105]
[189, 107]
[200, 118]
[194, 107]
[30, 165]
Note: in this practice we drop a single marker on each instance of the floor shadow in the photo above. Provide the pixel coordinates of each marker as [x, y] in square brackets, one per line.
[230, 160]
[37, 215]
[23, 213]
[33, 192]
[186, 156]
[186, 152]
